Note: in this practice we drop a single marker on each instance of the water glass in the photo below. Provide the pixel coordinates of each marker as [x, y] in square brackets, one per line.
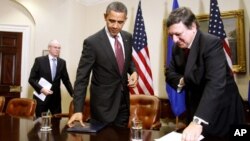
[46, 121]
[136, 130]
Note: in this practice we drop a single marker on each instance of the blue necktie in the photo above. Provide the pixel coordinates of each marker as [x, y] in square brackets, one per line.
[119, 54]
[53, 68]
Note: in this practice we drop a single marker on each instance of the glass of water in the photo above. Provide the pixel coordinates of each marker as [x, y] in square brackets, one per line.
[46, 121]
[136, 130]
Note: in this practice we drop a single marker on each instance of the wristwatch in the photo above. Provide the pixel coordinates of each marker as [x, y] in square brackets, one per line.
[198, 121]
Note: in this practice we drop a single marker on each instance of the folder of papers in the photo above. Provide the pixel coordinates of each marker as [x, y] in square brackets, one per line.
[88, 128]
[44, 83]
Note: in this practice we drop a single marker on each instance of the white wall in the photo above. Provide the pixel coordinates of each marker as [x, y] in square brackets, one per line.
[70, 22]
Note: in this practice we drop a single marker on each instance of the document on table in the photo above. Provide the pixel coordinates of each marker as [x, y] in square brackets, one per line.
[88, 128]
[44, 83]
[173, 136]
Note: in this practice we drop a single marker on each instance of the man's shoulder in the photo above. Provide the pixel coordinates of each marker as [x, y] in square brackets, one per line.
[99, 33]
[208, 36]
[126, 33]
[41, 58]
[61, 59]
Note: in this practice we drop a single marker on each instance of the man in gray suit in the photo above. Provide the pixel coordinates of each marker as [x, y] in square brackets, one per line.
[213, 99]
[109, 92]
[43, 68]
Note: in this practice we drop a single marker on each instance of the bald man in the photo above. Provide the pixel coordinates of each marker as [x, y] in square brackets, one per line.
[52, 68]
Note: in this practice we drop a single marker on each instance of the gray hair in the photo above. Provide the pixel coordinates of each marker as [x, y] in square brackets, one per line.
[117, 7]
[53, 42]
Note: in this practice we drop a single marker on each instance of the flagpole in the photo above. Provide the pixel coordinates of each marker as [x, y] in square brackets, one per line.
[176, 122]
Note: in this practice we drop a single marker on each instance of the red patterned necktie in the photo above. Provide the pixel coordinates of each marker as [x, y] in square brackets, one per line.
[119, 54]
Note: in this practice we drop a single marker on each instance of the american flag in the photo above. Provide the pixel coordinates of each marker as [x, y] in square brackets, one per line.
[216, 28]
[141, 57]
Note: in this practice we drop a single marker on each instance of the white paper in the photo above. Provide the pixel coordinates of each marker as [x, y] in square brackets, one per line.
[174, 136]
[45, 84]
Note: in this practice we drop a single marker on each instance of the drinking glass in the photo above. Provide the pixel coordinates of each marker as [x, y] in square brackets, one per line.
[46, 121]
[136, 130]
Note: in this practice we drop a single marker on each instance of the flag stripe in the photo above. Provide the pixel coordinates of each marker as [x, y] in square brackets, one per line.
[228, 54]
[145, 77]
[140, 57]
[226, 47]
[143, 61]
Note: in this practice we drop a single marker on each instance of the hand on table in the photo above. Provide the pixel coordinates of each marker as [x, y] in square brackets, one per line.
[75, 117]
[192, 132]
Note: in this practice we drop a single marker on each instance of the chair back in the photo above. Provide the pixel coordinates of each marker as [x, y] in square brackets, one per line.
[147, 109]
[86, 109]
[2, 101]
[21, 107]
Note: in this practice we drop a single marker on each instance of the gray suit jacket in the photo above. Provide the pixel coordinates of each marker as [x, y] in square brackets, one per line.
[106, 81]
[212, 93]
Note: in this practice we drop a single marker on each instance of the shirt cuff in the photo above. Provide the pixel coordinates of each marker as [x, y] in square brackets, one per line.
[180, 85]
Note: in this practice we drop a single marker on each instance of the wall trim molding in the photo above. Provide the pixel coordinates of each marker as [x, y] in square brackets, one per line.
[26, 9]
[91, 2]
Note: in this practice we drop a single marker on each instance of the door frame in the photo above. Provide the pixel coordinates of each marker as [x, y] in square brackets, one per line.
[25, 29]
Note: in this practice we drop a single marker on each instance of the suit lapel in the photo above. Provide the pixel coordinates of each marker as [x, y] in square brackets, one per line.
[47, 65]
[194, 52]
[58, 66]
[108, 49]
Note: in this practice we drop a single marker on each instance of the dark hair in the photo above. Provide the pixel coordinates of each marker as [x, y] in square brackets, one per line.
[184, 15]
[117, 7]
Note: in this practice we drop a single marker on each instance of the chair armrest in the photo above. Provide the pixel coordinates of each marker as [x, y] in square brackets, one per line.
[61, 115]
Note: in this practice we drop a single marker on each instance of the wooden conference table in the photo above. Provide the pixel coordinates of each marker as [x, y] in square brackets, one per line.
[19, 129]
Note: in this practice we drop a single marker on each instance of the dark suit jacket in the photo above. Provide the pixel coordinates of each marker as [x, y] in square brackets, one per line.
[41, 68]
[106, 81]
[212, 93]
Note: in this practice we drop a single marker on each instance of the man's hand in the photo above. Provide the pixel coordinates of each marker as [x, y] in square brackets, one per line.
[46, 91]
[75, 117]
[192, 132]
[132, 80]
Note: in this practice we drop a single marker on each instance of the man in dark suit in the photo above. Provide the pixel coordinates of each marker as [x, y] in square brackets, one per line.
[43, 68]
[213, 100]
[109, 92]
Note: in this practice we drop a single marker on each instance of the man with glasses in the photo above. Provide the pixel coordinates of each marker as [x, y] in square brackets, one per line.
[53, 69]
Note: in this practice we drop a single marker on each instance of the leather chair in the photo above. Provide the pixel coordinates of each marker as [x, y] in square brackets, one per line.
[21, 107]
[147, 109]
[86, 110]
[2, 101]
